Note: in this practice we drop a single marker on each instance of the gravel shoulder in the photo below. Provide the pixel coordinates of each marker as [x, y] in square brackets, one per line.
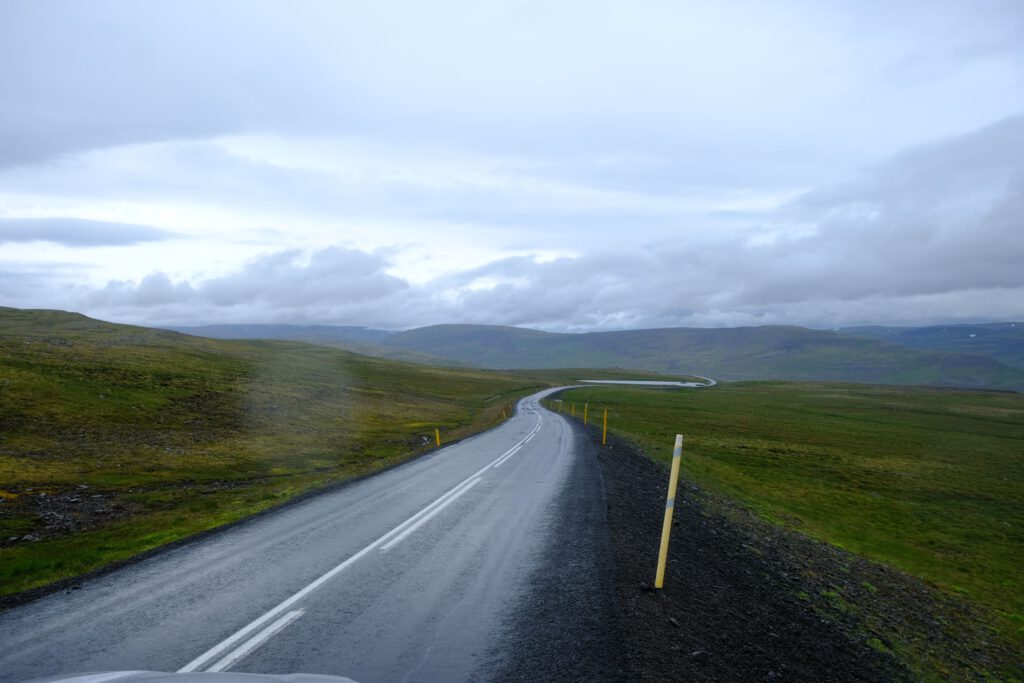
[744, 599]
[748, 600]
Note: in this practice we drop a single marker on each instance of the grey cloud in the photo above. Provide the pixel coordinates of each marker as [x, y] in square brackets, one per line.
[722, 87]
[38, 285]
[577, 131]
[332, 284]
[333, 277]
[942, 218]
[928, 236]
[77, 232]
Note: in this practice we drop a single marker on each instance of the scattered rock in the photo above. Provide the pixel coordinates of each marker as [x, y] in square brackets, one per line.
[699, 656]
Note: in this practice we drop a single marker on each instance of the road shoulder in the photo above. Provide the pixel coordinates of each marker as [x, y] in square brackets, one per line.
[566, 627]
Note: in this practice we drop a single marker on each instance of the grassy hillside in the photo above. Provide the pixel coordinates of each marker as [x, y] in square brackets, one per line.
[1002, 341]
[320, 334]
[793, 353]
[930, 481]
[363, 340]
[730, 353]
[116, 439]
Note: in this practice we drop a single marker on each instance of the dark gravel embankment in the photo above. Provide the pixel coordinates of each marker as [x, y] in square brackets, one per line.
[747, 600]
[729, 611]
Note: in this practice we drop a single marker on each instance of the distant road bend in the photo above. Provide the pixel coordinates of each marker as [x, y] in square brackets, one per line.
[414, 574]
[708, 382]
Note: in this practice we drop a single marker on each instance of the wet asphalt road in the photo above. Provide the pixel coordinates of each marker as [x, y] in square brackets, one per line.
[419, 574]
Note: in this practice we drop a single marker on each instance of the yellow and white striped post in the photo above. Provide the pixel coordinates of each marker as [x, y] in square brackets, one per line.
[604, 430]
[586, 408]
[670, 504]
[437, 436]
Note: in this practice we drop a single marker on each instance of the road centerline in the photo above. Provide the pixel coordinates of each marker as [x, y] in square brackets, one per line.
[398, 539]
[263, 636]
[415, 521]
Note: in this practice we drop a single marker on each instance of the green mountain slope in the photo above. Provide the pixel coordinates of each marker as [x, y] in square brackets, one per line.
[1002, 341]
[363, 340]
[772, 352]
[115, 439]
[724, 353]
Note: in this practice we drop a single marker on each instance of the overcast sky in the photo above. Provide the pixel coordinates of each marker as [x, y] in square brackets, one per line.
[560, 165]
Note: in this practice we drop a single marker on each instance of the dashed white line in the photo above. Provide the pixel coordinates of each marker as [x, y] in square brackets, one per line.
[257, 640]
[402, 531]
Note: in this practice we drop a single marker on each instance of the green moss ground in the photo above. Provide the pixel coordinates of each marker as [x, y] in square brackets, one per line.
[929, 481]
[174, 435]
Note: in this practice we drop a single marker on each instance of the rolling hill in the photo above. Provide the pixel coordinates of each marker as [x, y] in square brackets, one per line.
[364, 340]
[740, 353]
[116, 439]
[1002, 341]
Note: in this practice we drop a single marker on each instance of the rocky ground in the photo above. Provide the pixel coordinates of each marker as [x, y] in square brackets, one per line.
[58, 513]
[745, 600]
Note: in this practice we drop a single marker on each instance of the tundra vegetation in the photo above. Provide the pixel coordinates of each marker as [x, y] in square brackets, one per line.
[929, 481]
[115, 439]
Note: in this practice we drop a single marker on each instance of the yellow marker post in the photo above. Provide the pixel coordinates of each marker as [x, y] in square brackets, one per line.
[604, 431]
[586, 407]
[573, 413]
[670, 504]
[437, 436]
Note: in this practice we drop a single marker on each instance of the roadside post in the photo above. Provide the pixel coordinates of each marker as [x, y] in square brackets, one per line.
[670, 504]
[437, 436]
[573, 413]
[604, 430]
[586, 408]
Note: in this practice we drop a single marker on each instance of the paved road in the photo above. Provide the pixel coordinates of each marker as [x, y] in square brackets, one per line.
[414, 574]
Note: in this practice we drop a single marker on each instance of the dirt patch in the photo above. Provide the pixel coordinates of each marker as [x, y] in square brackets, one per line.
[748, 600]
[60, 513]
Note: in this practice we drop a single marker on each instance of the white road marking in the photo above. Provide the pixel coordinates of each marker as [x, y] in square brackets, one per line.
[430, 510]
[398, 539]
[506, 457]
[257, 640]
[512, 451]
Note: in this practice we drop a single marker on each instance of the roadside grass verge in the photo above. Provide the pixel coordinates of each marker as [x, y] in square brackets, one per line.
[930, 481]
[116, 439]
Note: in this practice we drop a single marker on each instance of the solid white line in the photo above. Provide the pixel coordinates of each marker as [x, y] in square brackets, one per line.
[508, 454]
[257, 640]
[398, 529]
[398, 539]
[505, 457]
[220, 647]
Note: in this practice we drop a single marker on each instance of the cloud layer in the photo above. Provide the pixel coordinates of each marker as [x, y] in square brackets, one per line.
[569, 166]
[932, 231]
[76, 232]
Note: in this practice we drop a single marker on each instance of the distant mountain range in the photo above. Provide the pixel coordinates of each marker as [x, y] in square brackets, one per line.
[1002, 341]
[992, 358]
